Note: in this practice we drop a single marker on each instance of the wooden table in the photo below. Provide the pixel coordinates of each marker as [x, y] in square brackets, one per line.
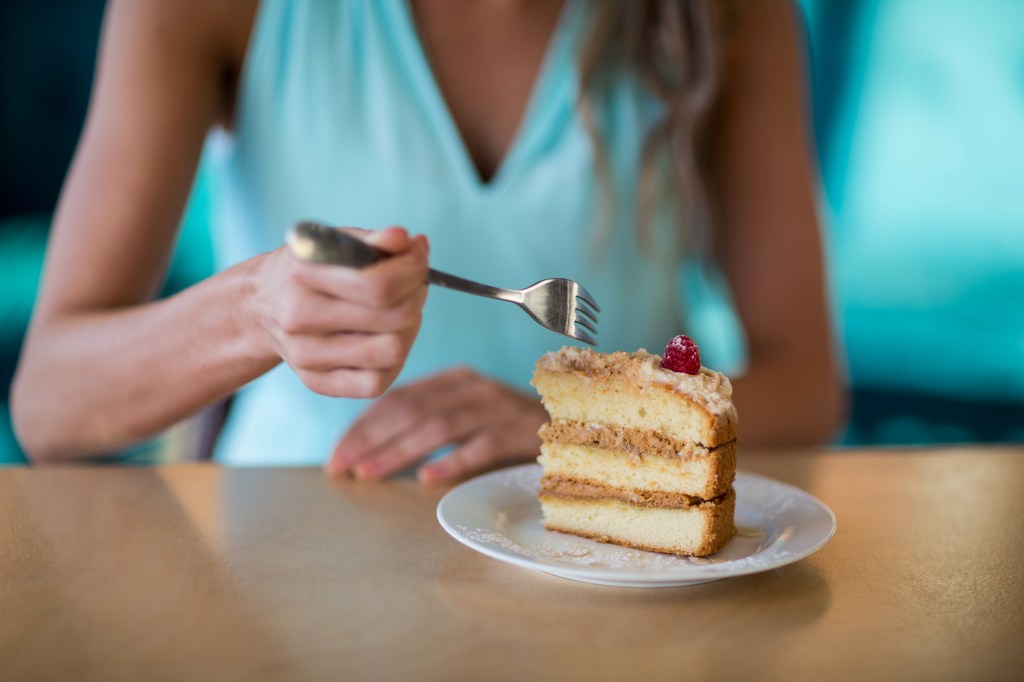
[195, 572]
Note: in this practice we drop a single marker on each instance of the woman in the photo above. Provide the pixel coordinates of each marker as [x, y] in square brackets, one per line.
[526, 139]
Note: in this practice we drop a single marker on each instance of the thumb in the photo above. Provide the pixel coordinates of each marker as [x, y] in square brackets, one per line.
[394, 240]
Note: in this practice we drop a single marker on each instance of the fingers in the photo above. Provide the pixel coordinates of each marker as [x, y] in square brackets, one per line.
[490, 423]
[393, 239]
[479, 453]
[323, 353]
[427, 436]
[346, 331]
[399, 412]
[320, 314]
[381, 285]
[350, 383]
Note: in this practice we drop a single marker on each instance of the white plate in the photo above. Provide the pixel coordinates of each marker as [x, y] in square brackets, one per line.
[498, 514]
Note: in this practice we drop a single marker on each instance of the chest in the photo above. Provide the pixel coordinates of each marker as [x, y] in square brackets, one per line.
[486, 59]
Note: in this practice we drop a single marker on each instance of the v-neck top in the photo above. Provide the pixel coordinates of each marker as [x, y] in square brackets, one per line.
[340, 119]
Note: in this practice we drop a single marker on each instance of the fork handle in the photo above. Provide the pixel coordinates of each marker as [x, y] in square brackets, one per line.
[319, 243]
[468, 286]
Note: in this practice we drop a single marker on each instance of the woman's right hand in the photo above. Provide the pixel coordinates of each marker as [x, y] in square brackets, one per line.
[345, 331]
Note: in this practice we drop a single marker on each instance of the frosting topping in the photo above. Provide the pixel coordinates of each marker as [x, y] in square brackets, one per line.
[709, 388]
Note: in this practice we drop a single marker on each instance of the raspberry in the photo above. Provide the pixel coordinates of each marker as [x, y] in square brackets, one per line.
[682, 355]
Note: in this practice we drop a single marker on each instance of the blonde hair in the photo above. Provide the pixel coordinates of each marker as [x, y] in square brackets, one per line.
[671, 46]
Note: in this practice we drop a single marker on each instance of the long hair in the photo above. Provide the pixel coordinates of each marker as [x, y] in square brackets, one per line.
[672, 47]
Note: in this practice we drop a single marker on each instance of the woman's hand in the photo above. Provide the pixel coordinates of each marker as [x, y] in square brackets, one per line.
[345, 331]
[489, 424]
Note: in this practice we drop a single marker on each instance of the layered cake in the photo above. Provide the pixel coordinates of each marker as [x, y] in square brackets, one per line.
[637, 452]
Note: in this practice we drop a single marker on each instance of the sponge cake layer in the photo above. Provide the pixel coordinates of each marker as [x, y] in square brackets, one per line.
[631, 391]
[703, 477]
[697, 530]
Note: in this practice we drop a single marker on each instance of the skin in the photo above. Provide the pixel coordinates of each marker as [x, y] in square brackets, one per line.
[104, 365]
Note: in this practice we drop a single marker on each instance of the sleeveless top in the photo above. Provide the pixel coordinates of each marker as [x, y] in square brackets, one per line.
[339, 119]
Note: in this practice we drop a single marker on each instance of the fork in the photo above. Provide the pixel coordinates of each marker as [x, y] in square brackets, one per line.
[561, 305]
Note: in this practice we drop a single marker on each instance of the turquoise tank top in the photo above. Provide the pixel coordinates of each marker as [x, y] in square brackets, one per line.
[340, 119]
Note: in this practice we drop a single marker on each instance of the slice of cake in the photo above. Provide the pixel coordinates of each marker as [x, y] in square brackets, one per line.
[636, 453]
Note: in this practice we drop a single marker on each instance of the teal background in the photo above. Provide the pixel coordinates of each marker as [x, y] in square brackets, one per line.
[918, 112]
[919, 123]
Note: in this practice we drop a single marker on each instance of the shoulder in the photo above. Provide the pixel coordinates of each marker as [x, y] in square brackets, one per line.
[205, 38]
[213, 24]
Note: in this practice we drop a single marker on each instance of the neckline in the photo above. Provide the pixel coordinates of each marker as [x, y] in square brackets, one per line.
[539, 98]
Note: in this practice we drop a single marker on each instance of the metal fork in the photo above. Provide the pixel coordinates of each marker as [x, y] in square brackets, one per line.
[561, 305]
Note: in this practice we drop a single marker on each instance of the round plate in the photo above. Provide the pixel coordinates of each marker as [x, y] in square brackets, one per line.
[498, 514]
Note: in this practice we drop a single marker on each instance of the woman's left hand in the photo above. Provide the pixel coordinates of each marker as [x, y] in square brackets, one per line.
[489, 424]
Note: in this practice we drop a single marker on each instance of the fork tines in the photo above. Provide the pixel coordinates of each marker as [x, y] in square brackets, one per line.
[584, 316]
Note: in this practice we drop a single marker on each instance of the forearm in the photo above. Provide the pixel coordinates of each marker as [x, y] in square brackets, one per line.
[789, 402]
[93, 381]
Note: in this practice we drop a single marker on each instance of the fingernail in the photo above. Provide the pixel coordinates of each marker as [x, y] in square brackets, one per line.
[337, 462]
[366, 470]
[435, 471]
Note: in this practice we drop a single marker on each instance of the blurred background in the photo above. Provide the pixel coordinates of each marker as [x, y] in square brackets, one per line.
[919, 124]
[918, 120]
